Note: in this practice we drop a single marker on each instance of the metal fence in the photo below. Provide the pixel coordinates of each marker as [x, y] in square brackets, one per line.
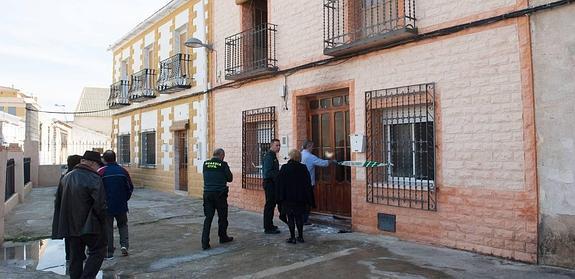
[26, 170]
[251, 52]
[143, 85]
[401, 132]
[348, 21]
[258, 129]
[175, 73]
[10, 179]
[119, 94]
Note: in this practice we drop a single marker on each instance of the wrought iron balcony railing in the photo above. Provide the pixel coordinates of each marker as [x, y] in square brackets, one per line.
[251, 53]
[352, 25]
[142, 85]
[119, 94]
[175, 74]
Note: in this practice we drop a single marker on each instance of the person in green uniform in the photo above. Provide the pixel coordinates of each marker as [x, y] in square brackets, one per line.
[270, 170]
[216, 176]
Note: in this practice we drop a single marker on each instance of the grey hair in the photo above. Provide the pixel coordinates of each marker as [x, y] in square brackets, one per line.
[306, 143]
[219, 152]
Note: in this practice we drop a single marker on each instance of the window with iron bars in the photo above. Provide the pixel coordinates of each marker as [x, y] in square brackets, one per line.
[148, 148]
[124, 149]
[401, 132]
[258, 129]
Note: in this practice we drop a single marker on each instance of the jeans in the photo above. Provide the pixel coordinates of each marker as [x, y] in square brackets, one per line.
[96, 251]
[215, 201]
[122, 222]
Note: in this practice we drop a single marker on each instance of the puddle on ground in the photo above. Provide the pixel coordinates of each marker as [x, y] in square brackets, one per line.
[45, 255]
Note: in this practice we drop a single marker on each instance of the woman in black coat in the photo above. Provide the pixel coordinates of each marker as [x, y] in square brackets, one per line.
[294, 194]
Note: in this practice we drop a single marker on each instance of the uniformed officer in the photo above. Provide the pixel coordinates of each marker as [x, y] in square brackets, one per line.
[270, 172]
[216, 175]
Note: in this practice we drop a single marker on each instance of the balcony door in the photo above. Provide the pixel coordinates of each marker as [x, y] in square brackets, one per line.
[328, 128]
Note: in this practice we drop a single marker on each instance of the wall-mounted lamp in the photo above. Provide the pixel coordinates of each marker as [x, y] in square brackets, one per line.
[197, 43]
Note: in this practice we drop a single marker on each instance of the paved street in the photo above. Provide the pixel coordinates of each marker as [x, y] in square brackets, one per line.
[165, 243]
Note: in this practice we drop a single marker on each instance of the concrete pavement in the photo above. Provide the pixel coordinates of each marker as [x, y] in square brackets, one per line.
[165, 234]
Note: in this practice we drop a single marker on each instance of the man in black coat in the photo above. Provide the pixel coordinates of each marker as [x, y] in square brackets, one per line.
[216, 176]
[270, 170]
[81, 216]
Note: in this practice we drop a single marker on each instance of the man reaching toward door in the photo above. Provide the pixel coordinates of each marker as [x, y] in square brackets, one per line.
[311, 161]
[271, 170]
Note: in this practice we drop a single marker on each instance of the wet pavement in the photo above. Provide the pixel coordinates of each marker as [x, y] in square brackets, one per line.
[165, 234]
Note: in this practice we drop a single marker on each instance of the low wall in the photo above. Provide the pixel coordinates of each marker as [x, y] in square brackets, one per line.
[49, 175]
[11, 203]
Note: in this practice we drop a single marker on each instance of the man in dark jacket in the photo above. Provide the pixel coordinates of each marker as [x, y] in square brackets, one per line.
[81, 218]
[270, 170]
[72, 161]
[119, 189]
[216, 176]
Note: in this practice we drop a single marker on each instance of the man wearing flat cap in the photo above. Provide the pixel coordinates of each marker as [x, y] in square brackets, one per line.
[81, 218]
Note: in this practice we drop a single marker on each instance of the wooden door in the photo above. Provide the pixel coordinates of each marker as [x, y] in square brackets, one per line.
[329, 130]
[182, 156]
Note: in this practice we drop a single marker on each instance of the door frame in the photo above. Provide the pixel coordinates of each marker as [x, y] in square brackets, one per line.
[177, 160]
[301, 111]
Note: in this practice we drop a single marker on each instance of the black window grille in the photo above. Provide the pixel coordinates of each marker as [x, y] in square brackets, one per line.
[119, 94]
[10, 180]
[26, 170]
[124, 149]
[351, 25]
[175, 73]
[148, 156]
[251, 53]
[400, 131]
[258, 129]
[142, 85]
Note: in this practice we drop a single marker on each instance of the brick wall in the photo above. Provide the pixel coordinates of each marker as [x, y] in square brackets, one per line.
[487, 200]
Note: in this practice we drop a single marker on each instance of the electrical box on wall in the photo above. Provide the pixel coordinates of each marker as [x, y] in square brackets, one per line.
[357, 142]
[284, 147]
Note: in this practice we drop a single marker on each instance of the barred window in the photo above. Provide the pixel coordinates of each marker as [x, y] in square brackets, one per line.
[148, 149]
[124, 149]
[258, 129]
[400, 132]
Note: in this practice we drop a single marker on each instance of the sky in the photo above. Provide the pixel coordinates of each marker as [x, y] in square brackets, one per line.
[53, 48]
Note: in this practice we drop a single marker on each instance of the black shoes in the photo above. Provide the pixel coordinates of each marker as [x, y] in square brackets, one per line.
[300, 239]
[272, 231]
[226, 239]
[206, 246]
[291, 240]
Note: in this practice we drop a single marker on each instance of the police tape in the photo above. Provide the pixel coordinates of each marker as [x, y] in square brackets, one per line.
[363, 164]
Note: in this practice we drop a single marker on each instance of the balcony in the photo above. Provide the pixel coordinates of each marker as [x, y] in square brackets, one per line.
[251, 53]
[175, 74]
[353, 25]
[142, 85]
[119, 94]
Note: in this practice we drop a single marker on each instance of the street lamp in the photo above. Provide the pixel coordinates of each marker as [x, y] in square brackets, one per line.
[63, 110]
[197, 43]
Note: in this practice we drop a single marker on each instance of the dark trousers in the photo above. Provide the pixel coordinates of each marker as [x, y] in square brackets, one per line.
[269, 207]
[295, 220]
[96, 251]
[308, 209]
[67, 248]
[215, 201]
[122, 222]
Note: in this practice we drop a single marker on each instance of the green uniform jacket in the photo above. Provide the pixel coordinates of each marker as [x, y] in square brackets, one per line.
[271, 166]
[216, 175]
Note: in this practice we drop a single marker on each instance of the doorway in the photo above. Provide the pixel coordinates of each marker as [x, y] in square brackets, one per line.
[328, 128]
[182, 160]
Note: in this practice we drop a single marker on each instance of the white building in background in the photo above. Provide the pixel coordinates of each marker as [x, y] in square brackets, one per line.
[12, 129]
[94, 99]
[88, 131]
[61, 139]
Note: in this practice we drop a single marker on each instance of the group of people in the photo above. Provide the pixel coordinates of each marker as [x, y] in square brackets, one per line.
[91, 195]
[290, 188]
[95, 191]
